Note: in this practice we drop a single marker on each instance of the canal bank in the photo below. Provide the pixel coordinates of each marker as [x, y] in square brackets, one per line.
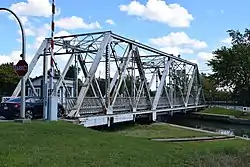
[217, 126]
[218, 117]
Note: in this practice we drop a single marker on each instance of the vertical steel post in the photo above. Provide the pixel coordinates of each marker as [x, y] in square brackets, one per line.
[107, 79]
[52, 47]
[45, 85]
[52, 71]
[76, 78]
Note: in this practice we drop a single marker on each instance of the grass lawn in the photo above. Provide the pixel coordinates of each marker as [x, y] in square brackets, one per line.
[61, 144]
[158, 130]
[223, 111]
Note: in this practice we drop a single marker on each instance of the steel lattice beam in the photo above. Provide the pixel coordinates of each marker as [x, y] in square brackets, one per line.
[130, 80]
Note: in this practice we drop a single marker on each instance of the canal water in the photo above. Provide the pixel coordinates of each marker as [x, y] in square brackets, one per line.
[215, 126]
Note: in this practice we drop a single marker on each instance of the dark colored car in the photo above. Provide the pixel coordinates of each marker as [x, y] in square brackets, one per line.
[33, 108]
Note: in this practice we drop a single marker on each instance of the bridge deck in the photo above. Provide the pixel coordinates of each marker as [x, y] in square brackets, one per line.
[92, 113]
[90, 120]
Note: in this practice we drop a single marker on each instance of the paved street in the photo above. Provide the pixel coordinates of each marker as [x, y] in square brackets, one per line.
[4, 120]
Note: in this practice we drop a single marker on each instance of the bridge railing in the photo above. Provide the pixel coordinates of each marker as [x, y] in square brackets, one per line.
[233, 105]
[92, 105]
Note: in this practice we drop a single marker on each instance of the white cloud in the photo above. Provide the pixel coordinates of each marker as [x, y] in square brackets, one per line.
[178, 39]
[227, 41]
[194, 61]
[176, 50]
[37, 43]
[14, 56]
[62, 33]
[28, 32]
[75, 22]
[178, 43]
[36, 32]
[205, 56]
[109, 21]
[40, 33]
[173, 15]
[39, 8]
[24, 20]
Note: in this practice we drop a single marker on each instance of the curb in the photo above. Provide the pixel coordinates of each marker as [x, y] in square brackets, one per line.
[195, 139]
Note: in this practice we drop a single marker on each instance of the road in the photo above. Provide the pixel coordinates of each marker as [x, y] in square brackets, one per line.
[4, 120]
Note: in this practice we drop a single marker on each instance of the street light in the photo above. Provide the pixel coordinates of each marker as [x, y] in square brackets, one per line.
[22, 111]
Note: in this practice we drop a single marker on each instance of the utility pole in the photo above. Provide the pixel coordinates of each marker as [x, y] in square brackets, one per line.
[52, 110]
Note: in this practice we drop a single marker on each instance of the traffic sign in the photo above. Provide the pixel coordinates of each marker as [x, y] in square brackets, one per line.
[21, 68]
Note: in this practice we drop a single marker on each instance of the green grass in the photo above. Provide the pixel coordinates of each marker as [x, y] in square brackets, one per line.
[223, 111]
[61, 144]
[158, 131]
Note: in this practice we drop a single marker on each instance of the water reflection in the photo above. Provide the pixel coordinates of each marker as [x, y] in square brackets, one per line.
[215, 126]
[225, 132]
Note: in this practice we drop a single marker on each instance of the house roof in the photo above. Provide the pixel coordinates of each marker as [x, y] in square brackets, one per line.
[55, 77]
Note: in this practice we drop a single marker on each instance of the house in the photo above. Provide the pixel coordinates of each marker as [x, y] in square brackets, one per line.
[62, 94]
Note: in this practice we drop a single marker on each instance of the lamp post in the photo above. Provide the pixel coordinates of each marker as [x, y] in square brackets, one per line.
[23, 81]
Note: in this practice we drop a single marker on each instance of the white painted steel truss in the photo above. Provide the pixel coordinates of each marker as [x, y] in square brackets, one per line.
[136, 78]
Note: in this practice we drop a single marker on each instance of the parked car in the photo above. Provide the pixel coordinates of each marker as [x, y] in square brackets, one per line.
[10, 109]
[4, 99]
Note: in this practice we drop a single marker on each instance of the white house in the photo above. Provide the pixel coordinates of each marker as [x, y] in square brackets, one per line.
[62, 94]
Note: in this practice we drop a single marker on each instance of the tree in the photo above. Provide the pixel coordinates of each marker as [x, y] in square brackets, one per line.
[71, 72]
[9, 79]
[211, 91]
[231, 65]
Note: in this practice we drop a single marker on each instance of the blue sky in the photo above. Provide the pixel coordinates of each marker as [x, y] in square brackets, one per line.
[194, 28]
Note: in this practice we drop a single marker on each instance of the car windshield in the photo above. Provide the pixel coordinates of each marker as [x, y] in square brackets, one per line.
[18, 100]
[14, 100]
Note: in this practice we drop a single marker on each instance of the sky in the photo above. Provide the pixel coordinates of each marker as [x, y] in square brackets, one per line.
[190, 28]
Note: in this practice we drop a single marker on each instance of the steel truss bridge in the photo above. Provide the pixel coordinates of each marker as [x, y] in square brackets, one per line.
[137, 79]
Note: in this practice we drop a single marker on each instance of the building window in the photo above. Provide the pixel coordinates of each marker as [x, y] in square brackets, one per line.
[30, 92]
[69, 91]
[38, 91]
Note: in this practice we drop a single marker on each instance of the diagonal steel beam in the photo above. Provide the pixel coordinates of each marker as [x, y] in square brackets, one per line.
[118, 71]
[122, 75]
[43, 46]
[32, 87]
[142, 74]
[139, 94]
[165, 88]
[85, 72]
[88, 80]
[161, 85]
[62, 76]
[152, 79]
[190, 85]
[94, 85]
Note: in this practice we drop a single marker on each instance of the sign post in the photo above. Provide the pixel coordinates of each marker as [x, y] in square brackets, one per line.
[21, 69]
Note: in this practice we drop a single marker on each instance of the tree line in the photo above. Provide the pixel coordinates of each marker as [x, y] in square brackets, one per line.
[230, 77]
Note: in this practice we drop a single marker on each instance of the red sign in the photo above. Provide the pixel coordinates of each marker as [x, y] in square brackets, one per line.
[21, 68]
